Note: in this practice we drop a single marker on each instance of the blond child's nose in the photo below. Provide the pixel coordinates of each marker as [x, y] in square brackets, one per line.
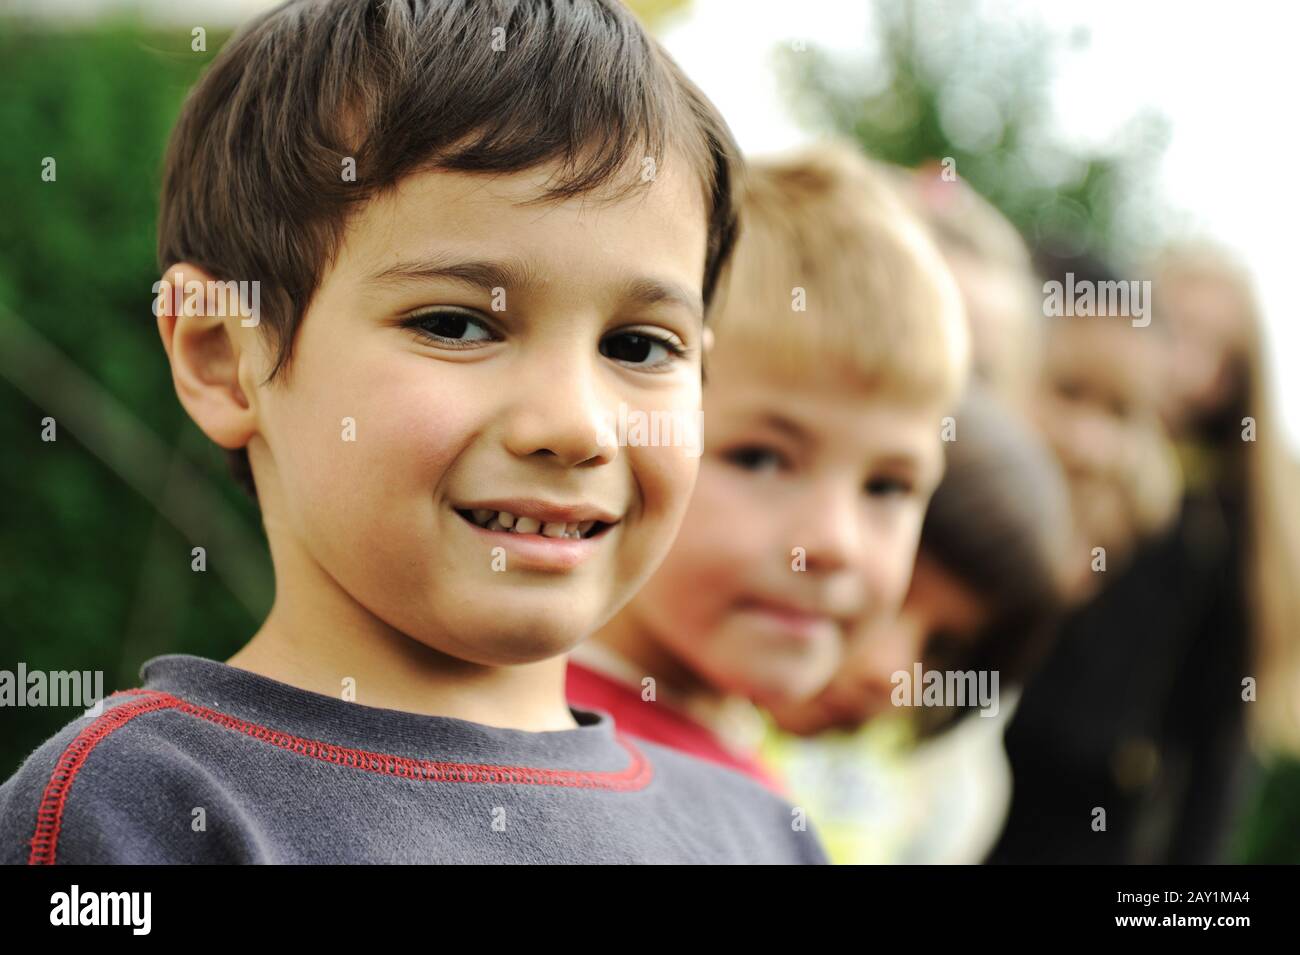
[830, 529]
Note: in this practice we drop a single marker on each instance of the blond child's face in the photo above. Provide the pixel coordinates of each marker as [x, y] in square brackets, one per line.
[805, 516]
[452, 377]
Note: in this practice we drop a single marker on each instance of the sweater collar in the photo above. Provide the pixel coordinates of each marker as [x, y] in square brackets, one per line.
[263, 701]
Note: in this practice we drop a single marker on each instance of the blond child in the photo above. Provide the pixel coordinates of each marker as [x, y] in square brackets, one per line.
[840, 348]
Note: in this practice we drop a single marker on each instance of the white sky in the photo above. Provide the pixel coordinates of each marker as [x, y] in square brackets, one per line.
[1222, 74]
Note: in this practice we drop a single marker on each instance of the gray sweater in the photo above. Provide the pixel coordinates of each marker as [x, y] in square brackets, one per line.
[208, 763]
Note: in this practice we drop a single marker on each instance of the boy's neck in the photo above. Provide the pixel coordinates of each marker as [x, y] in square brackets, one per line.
[319, 644]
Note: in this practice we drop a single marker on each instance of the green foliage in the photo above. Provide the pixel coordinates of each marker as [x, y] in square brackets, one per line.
[944, 81]
[94, 578]
[1270, 831]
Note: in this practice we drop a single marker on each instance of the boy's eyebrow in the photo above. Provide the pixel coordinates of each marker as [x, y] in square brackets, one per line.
[651, 291]
[514, 273]
[508, 273]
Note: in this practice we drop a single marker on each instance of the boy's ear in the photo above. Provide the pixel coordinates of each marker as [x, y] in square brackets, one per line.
[199, 321]
[708, 341]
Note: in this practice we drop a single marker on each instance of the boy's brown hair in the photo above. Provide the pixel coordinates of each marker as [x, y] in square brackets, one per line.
[826, 222]
[254, 185]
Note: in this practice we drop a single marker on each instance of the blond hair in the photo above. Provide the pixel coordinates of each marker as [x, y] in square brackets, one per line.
[1272, 564]
[832, 273]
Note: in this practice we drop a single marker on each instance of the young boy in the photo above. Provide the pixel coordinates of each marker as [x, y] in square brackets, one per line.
[840, 348]
[479, 230]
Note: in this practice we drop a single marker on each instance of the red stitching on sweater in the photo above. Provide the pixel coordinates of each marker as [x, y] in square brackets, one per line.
[49, 816]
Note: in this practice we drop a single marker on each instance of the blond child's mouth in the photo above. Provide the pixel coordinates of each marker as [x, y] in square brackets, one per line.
[800, 621]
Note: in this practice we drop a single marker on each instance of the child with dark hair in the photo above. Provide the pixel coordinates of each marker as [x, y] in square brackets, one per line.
[477, 231]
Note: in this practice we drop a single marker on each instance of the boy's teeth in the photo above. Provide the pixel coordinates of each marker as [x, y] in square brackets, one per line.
[505, 521]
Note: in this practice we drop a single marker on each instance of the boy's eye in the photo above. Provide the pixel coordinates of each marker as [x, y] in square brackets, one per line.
[888, 487]
[450, 327]
[641, 348]
[757, 459]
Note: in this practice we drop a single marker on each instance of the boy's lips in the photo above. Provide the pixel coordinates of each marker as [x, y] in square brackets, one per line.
[540, 535]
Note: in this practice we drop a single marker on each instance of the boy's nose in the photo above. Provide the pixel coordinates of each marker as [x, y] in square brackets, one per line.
[564, 416]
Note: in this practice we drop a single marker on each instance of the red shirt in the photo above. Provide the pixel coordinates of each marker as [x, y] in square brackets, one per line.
[590, 689]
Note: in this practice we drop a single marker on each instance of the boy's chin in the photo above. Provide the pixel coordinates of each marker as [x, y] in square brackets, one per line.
[512, 639]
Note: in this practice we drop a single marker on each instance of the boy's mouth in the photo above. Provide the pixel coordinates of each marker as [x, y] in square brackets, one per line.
[557, 523]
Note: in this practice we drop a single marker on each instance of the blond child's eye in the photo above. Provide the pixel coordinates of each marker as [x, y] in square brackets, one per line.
[756, 459]
[453, 327]
[641, 349]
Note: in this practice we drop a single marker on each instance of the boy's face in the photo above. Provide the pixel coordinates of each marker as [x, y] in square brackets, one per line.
[805, 516]
[460, 356]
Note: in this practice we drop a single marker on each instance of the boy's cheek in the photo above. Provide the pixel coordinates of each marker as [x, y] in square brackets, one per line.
[399, 432]
[666, 478]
